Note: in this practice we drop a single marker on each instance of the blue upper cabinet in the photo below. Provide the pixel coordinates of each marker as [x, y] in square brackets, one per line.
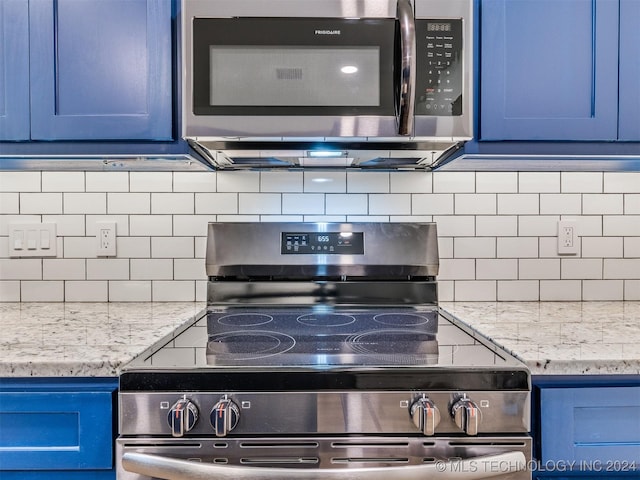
[629, 70]
[549, 69]
[14, 70]
[96, 69]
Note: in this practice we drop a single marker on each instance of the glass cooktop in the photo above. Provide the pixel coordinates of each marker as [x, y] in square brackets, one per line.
[322, 338]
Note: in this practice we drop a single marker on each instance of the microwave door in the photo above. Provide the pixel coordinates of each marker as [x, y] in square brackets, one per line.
[406, 95]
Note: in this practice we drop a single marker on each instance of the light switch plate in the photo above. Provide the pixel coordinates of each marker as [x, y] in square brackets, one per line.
[32, 240]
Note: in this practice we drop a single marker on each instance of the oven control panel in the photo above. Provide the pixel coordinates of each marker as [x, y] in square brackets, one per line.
[322, 243]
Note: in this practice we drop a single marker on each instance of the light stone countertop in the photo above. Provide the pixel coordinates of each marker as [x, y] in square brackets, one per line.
[96, 339]
[561, 338]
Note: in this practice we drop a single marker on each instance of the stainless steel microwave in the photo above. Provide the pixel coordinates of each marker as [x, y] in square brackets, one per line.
[328, 70]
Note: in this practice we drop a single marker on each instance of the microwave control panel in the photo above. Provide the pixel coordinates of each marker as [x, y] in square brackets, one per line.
[439, 76]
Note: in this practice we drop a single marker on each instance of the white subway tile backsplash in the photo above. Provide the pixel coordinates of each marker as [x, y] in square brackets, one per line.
[561, 204]
[150, 181]
[560, 290]
[260, 204]
[631, 290]
[173, 291]
[9, 291]
[63, 269]
[20, 181]
[497, 230]
[325, 182]
[581, 182]
[150, 225]
[128, 203]
[107, 269]
[432, 204]
[63, 182]
[42, 203]
[151, 269]
[191, 225]
[601, 290]
[173, 203]
[496, 182]
[517, 247]
[581, 268]
[42, 291]
[496, 226]
[20, 269]
[632, 204]
[602, 204]
[602, 247]
[455, 226]
[621, 225]
[84, 203]
[172, 247]
[133, 247]
[194, 181]
[474, 247]
[496, 269]
[475, 204]
[539, 268]
[86, 291]
[539, 182]
[624, 268]
[107, 181]
[129, 291]
[189, 269]
[621, 182]
[280, 182]
[518, 204]
[238, 181]
[538, 226]
[9, 203]
[301, 203]
[478, 290]
[457, 269]
[216, 203]
[346, 204]
[368, 182]
[454, 182]
[411, 182]
[518, 290]
[390, 204]
[632, 247]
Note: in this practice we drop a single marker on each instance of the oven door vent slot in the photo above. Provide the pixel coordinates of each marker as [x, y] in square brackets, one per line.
[486, 444]
[370, 445]
[221, 460]
[180, 445]
[221, 445]
[279, 445]
[369, 460]
[429, 460]
[279, 460]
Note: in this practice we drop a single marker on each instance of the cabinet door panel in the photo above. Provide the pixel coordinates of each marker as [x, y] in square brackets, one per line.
[629, 70]
[591, 424]
[101, 69]
[14, 70]
[549, 69]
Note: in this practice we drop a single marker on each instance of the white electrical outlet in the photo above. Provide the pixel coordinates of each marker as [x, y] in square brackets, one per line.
[567, 237]
[106, 239]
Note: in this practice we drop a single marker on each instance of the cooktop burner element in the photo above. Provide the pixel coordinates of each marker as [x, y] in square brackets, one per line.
[245, 319]
[249, 345]
[400, 319]
[326, 319]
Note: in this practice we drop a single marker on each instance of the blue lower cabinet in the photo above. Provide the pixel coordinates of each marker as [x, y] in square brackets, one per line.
[57, 428]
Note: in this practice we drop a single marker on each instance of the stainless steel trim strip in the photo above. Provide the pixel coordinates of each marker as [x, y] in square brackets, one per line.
[470, 469]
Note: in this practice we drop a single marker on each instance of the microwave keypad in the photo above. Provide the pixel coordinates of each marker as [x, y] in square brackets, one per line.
[439, 67]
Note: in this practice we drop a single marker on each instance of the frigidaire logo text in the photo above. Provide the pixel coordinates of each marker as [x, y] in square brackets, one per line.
[327, 32]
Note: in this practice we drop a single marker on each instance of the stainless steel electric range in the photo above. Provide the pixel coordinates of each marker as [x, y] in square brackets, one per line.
[323, 354]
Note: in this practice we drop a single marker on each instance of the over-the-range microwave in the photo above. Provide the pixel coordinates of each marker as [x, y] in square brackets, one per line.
[268, 82]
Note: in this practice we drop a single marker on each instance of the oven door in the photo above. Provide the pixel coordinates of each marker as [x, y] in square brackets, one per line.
[325, 458]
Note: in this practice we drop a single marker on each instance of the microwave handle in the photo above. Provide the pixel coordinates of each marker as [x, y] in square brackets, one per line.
[406, 100]
[468, 469]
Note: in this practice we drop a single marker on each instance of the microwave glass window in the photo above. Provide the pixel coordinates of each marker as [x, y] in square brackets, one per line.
[294, 76]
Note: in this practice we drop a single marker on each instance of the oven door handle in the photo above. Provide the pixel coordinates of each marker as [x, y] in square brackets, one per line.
[468, 469]
[407, 82]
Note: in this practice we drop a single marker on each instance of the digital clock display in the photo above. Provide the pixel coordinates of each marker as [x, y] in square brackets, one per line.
[438, 27]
